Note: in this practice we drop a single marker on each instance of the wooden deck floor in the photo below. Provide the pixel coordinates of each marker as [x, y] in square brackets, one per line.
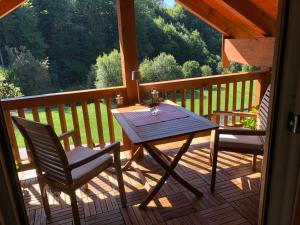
[234, 202]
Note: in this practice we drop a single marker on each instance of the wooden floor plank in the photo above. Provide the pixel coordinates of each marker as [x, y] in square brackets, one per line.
[234, 202]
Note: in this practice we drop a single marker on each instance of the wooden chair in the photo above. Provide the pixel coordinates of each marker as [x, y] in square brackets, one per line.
[240, 140]
[68, 171]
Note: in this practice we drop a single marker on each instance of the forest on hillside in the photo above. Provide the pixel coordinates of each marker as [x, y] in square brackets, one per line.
[59, 45]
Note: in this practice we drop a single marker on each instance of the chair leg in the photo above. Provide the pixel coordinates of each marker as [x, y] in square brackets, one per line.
[43, 188]
[214, 171]
[74, 208]
[254, 162]
[117, 164]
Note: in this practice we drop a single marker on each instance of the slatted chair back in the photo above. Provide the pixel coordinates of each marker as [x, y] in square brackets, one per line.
[263, 111]
[46, 149]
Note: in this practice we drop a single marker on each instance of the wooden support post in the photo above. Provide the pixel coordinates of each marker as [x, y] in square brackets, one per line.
[128, 46]
[261, 87]
[225, 60]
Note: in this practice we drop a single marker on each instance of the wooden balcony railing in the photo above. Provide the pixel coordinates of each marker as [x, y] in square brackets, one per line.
[89, 109]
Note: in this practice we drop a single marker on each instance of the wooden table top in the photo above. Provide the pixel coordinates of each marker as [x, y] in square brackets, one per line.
[178, 126]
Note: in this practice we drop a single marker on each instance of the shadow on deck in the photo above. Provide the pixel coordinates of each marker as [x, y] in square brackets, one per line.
[235, 200]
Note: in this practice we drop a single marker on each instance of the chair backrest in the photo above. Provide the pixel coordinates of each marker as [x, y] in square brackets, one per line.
[47, 151]
[263, 111]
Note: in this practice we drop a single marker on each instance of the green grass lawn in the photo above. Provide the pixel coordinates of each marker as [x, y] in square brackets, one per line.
[117, 128]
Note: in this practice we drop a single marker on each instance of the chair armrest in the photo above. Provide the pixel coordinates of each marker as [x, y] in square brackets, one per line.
[115, 147]
[241, 132]
[68, 134]
[234, 113]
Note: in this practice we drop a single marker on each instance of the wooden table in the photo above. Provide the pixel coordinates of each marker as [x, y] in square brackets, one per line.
[145, 129]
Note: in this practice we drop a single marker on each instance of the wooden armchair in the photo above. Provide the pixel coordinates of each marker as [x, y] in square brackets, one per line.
[68, 171]
[237, 139]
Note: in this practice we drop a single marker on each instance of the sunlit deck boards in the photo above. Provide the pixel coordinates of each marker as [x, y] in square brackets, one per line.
[234, 202]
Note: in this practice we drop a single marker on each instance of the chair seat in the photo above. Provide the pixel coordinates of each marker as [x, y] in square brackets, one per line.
[89, 170]
[247, 142]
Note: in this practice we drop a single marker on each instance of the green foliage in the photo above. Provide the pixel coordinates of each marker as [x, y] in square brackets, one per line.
[7, 90]
[27, 72]
[191, 69]
[20, 28]
[206, 70]
[250, 122]
[107, 70]
[162, 67]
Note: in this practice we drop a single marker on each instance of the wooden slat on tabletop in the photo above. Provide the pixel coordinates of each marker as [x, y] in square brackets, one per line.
[35, 114]
[49, 116]
[110, 120]
[12, 136]
[87, 125]
[201, 101]
[99, 123]
[183, 97]
[243, 96]
[21, 113]
[63, 125]
[250, 95]
[174, 96]
[75, 121]
[226, 102]
[218, 101]
[192, 99]
[234, 101]
[209, 101]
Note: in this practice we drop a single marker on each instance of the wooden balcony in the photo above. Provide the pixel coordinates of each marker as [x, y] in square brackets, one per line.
[87, 112]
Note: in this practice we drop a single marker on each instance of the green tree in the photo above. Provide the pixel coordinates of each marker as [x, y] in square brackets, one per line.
[191, 69]
[163, 67]
[27, 72]
[206, 70]
[7, 90]
[107, 70]
[20, 28]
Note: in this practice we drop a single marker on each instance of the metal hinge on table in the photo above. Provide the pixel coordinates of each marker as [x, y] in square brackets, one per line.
[294, 123]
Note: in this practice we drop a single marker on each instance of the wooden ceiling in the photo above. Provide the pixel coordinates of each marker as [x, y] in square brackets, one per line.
[237, 18]
[6, 6]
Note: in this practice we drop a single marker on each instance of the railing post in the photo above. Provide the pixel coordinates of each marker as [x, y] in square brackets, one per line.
[128, 46]
[261, 87]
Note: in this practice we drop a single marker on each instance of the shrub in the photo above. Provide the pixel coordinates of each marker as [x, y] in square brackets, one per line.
[206, 70]
[30, 74]
[107, 70]
[7, 90]
[191, 69]
[163, 67]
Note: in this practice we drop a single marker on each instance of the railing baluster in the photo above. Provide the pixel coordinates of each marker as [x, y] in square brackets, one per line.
[250, 95]
[63, 125]
[35, 114]
[243, 96]
[21, 113]
[12, 136]
[234, 101]
[49, 116]
[226, 102]
[209, 102]
[218, 102]
[99, 123]
[75, 122]
[110, 120]
[87, 125]
[183, 97]
[174, 96]
[201, 101]
[192, 99]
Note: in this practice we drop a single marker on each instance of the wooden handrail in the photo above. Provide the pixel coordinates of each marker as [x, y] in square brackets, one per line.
[208, 91]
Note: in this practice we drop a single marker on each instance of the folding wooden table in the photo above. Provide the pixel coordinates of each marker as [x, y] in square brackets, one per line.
[144, 130]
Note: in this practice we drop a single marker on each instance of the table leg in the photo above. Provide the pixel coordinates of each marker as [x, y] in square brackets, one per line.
[133, 157]
[169, 171]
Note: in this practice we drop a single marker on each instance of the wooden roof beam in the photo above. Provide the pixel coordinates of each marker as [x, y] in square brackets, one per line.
[206, 13]
[6, 6]
[252, 15]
